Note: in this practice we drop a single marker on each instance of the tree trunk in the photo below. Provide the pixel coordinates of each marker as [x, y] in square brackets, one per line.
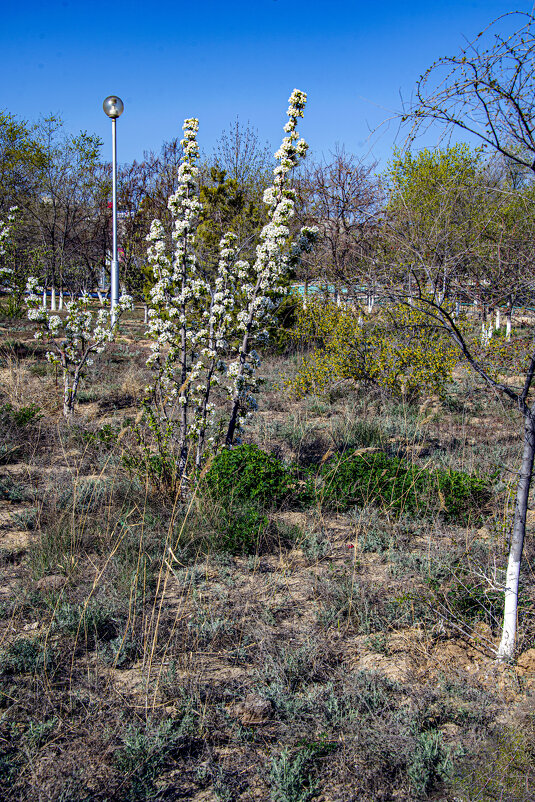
[44, 298]
[146, 314]
[498, 320]
[508, 320]
[60, 307]
[53, 298]
[507, 644]
[68, 399]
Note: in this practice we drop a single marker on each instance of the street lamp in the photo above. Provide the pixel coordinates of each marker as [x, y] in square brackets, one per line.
[113, 106]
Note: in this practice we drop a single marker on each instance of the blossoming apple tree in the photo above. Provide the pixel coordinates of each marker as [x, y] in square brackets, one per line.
[205, 331]
[73, 338]
[6, 228]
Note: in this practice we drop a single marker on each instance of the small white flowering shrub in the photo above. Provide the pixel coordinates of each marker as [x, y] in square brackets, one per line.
[74, 338]
[205, 333]
[6, 228]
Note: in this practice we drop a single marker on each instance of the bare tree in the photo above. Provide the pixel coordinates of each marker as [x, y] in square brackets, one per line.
[244, 159]
[66, 211]
[488, 90]
[340, 197]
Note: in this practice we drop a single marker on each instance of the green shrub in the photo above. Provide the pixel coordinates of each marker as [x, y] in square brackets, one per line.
[25, 655]
[402, 487]
[430, 762]
[247, 472]
[237, 526]
[243, 531]
[22, 416]
[290, 776]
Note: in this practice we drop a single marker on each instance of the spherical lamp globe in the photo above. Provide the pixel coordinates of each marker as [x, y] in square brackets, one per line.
[113, 106]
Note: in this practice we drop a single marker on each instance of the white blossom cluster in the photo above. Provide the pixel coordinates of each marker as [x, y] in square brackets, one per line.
[5, 233]
[270, 267]
[202, 331]
[74, 337]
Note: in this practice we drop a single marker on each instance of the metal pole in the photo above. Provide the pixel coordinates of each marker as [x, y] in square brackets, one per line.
[114, 261]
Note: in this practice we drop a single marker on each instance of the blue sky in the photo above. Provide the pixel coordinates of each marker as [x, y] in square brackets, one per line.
[222, 60]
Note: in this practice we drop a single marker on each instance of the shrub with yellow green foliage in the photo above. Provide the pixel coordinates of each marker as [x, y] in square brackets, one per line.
[397, 348]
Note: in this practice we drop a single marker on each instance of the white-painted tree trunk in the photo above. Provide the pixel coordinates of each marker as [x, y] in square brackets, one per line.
[497, 322]
[506, 649]
[486, 332]
[44, 299]
[53, 299]
[508, 320]
[60, 306]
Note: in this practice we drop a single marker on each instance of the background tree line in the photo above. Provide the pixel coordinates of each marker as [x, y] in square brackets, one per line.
[456, 221]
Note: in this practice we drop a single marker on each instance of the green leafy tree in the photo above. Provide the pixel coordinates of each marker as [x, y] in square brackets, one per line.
[385, 349]
[20, 155]
[440, 206]
[226, 207]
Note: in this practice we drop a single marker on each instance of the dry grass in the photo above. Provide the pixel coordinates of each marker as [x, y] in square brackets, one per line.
[352, 660]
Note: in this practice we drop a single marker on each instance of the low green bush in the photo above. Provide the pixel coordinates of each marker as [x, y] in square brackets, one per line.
[20, 417]
[247, 472]
[24, 656]
[402, 487]
[235, 526]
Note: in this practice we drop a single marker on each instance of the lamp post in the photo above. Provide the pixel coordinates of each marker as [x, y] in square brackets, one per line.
[113, 106]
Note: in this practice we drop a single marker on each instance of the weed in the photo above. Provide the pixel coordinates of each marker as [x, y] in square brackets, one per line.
[54, 551]
[39, 732]
[10, 490]
[348, 433]
[247, 472]
[505, 771]
[144, 754]
[209, 627]
[315, 544]
[402, 487]
[26, 655]
[290, 776]
[18, 432]
[375, 540]
[120, 652]
[20, 417]
[95, 620]
[430, 762]
[26, 519]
